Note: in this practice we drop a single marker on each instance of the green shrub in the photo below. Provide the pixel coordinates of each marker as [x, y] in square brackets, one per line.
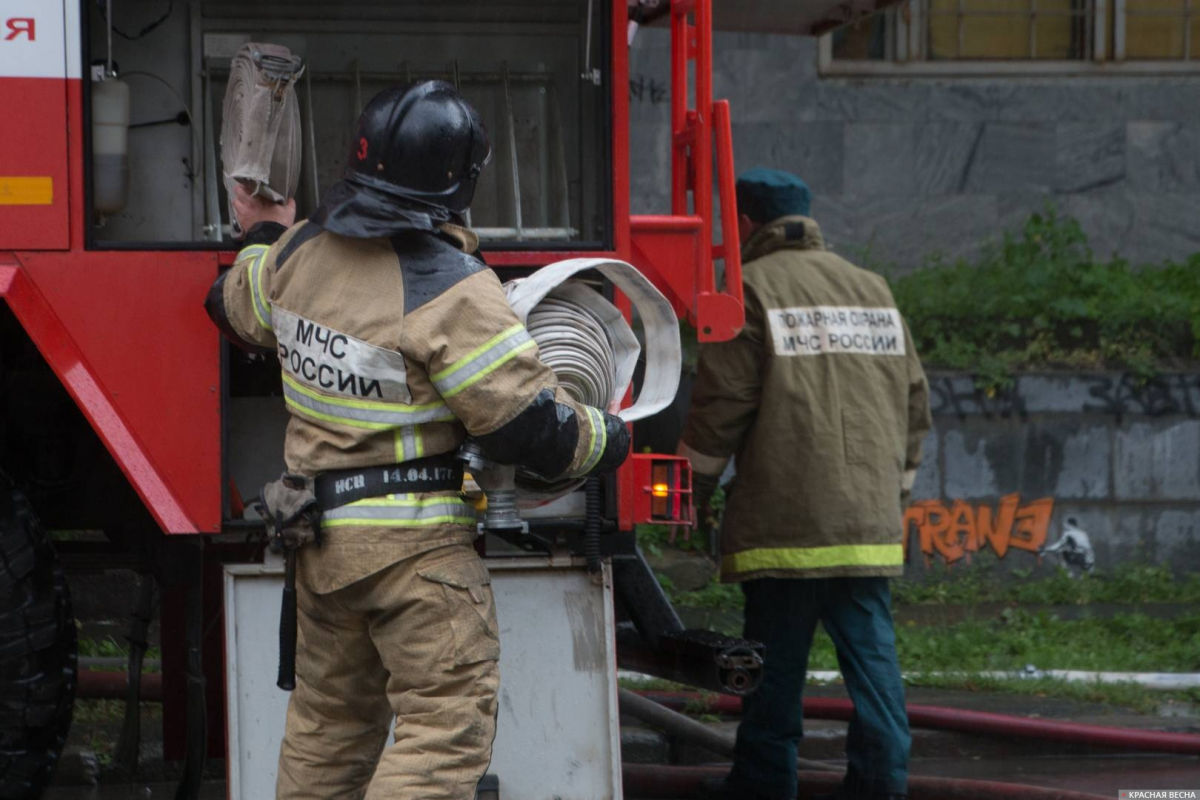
[1040, 299]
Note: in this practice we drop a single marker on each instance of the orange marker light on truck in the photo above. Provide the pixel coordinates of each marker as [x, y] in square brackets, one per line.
[664, 489]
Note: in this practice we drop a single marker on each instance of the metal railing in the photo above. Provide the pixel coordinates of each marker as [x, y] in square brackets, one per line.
[551, 184]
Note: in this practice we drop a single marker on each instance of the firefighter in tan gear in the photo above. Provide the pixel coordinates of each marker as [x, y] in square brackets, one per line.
[395, 343]
[823, 404]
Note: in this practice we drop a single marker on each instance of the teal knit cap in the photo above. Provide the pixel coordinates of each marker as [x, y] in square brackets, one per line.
[767, 194]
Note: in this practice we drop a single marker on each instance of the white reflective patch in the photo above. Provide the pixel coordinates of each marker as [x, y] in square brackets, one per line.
[826, 330]
[337, 363]
[34, 38]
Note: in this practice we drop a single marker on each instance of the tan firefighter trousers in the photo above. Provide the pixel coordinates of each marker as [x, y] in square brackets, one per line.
[418, 640]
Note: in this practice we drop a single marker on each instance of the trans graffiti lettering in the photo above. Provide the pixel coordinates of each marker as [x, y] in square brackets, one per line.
[958, 529]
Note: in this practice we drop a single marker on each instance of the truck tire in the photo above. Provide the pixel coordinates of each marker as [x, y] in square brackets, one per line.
[37, 652]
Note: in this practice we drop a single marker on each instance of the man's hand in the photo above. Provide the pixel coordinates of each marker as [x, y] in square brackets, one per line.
[291, 513]
[250, 209]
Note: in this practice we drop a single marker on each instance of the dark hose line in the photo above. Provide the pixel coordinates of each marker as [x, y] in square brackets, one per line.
[683, 727]
[97, 684]
[676, 724]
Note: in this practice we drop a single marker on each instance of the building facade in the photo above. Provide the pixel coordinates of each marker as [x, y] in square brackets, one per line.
[929, 136]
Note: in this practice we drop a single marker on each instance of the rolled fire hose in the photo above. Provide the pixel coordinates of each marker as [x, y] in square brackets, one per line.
[591, 348]
[260, 123]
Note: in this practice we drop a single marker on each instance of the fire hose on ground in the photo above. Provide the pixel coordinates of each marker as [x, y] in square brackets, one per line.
[816, 777]
[684, 727]
[97, 683]
[967, 721]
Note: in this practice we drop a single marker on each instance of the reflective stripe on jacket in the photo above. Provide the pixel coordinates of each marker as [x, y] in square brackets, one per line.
[823, 403]
[391, 350]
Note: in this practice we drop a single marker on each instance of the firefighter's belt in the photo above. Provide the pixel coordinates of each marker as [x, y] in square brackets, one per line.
[434, 474]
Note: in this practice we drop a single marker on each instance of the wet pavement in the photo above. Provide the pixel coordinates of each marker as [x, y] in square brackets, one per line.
[935, 753]
[137, 791]
[950, 754]
[1098, 774]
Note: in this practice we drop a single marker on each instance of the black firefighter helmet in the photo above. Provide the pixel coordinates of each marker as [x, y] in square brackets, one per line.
[413, 164]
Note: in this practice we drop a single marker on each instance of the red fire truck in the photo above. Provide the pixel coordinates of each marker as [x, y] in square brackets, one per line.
[124, 414]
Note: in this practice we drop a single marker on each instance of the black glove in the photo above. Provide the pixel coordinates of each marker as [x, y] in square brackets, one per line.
[290, 510]
[616, 448]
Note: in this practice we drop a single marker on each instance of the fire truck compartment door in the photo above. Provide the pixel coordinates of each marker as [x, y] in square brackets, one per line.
[39, 75]
[557, 732]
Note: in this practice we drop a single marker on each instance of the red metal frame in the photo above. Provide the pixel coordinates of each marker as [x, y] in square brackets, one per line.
[126, 334]
[665, 245]
[59, 349]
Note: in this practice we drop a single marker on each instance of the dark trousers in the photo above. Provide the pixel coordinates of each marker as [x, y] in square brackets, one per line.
[856, 612]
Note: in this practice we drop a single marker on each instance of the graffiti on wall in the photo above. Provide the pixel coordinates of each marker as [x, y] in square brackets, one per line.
[955, 529]
[1119, 395]
[956, 395]
[647, 90]
[1156, 397]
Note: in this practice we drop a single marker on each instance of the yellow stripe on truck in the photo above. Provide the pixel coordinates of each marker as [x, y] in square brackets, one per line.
[843, 555]
[26, 190]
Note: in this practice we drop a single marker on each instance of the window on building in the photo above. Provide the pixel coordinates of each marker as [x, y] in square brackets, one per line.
[1005, 34]
[1160, 29]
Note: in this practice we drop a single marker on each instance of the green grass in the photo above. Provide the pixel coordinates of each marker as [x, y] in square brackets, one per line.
[952, 657]
[1123, 642]
[1118, 695]
[653, 685]
[99, 712]
[95, 725]
[1124, 695]
[653, 539]
[1024, 631]
[984, 582]
[110, 647]
[715, 595]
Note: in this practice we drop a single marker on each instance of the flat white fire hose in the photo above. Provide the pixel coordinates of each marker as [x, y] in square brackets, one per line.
[586, 340]
[562, 314]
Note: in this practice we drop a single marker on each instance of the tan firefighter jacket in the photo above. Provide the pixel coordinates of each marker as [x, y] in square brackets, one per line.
[385, 361]
[823, 402]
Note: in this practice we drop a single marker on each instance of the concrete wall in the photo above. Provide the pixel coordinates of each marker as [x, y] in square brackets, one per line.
[1122, 460]
[905, 168]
